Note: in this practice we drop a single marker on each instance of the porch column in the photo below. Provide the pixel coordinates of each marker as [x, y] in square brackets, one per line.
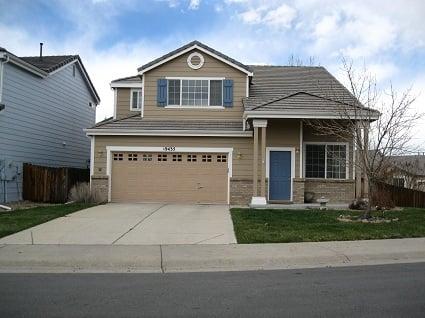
[263, 162]
[255, 168]
[259, 201]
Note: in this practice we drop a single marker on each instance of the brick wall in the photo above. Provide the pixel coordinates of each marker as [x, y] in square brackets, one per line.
[100, 184]
[337, 191]
[298, 194]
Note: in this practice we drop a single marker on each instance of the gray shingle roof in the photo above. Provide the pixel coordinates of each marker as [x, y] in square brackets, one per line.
[49, 63]
[134, 78]
[412, 164]
[188, 45]
[138, 123]
[280, 87]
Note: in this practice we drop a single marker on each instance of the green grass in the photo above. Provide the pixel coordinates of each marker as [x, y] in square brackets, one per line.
[281, 226]
[18, 220]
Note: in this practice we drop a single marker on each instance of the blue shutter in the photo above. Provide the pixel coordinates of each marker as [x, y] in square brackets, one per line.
[228, 93]
[161, 95]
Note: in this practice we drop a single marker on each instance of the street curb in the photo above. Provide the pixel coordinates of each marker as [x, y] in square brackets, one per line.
[206, 258]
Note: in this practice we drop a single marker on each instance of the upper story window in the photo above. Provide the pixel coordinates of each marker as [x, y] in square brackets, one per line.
[135, 99]
[195, 92]
[326, 161]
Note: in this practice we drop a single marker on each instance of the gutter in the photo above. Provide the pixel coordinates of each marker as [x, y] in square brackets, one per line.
[4, 58]
[159, 133]
[277, 114]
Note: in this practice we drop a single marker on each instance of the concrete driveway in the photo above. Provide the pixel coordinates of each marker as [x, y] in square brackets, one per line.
[134, 224]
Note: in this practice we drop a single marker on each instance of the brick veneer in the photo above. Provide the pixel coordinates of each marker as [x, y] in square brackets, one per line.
[100, 184]
[337, 191]
[298, 194]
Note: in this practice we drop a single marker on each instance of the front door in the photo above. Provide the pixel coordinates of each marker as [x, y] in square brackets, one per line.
[280, 175]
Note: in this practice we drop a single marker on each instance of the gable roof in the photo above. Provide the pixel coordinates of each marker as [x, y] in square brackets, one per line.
[412, 164]
[49, 64]
[297, 90]
[195, 45]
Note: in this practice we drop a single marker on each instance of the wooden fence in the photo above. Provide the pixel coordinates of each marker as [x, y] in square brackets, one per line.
[47, 184]
[401, 196]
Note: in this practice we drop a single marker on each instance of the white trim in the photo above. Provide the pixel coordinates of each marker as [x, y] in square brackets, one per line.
[301, 147]
[1, 79]
[127, 85]
[194, 78]
[259, 123]
[115, 103]
[143, 97]
[273, 114]
[292, 150]
[201, 63]
[347, 156]
[29, 67]
[110, 149]
[139, 101]
[247, 86]
[62, 67]
[92, 145]
[187, 133]
[194, 107]
[195, 46]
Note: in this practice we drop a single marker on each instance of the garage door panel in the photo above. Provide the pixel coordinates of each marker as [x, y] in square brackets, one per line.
[179, 177]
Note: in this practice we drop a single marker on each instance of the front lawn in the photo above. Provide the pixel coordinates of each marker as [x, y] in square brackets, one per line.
[18, 220]
[281, 226]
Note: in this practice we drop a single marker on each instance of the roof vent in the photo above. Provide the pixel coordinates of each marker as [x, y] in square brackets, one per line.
[41, 50]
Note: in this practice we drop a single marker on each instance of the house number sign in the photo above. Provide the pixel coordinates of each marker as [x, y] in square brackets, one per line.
[169, 148]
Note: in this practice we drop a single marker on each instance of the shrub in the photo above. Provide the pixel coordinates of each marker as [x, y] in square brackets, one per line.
[81, 193]
[358, 204]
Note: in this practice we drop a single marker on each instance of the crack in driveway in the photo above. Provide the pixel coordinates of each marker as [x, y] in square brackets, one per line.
[138, 223]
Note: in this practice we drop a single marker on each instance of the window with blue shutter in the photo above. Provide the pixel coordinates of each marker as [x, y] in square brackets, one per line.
[162, 92]
[228, 93]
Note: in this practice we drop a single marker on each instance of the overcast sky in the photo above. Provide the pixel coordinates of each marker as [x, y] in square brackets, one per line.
[115, 37]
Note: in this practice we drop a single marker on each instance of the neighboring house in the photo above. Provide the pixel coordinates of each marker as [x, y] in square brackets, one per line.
[196, 126]
[408, 171]
[45, 102]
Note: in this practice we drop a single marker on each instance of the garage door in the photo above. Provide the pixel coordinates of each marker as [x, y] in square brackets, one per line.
[169, 177]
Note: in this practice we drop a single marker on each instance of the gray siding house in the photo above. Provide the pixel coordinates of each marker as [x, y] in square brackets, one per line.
[45, 103]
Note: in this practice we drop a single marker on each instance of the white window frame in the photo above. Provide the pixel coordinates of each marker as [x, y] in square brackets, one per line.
[209, 79]
[347, 158]
[140, 101]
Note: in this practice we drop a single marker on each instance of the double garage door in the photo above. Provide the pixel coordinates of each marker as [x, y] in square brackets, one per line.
[169, 177]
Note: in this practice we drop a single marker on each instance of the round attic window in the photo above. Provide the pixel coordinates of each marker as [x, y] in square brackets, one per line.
[195, 60]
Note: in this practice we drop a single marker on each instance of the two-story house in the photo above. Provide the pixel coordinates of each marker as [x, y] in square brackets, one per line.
[45, 103]
[196, 126]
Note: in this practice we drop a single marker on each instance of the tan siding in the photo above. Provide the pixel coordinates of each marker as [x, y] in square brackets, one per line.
[242, 168]
[178, 67]
[123, 103]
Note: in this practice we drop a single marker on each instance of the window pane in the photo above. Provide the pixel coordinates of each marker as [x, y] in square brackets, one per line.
[195, 92]
[336, 161]
[173, 92]
[216, 92]
[135, 100]
[315, 161]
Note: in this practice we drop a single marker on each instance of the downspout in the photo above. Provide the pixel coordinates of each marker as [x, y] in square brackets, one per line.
[4, 58]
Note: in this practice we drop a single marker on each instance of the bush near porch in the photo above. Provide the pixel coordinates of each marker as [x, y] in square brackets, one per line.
[283, 226]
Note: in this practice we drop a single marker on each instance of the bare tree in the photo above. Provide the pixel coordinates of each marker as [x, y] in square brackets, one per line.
[378, 123]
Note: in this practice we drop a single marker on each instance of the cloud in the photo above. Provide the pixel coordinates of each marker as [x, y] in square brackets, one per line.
[278, 17]
[194, 4]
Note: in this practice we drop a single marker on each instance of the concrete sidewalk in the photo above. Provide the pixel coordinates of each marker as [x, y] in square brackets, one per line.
[193, 258]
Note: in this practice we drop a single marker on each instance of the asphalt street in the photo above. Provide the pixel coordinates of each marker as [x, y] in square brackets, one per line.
[396, 290]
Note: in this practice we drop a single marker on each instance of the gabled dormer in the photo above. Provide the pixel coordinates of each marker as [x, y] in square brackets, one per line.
[192, 82]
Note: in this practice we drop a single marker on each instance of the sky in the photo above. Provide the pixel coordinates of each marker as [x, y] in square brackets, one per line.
[113, 38]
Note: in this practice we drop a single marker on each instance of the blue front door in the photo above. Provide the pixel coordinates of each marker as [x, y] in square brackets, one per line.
[280, 175]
